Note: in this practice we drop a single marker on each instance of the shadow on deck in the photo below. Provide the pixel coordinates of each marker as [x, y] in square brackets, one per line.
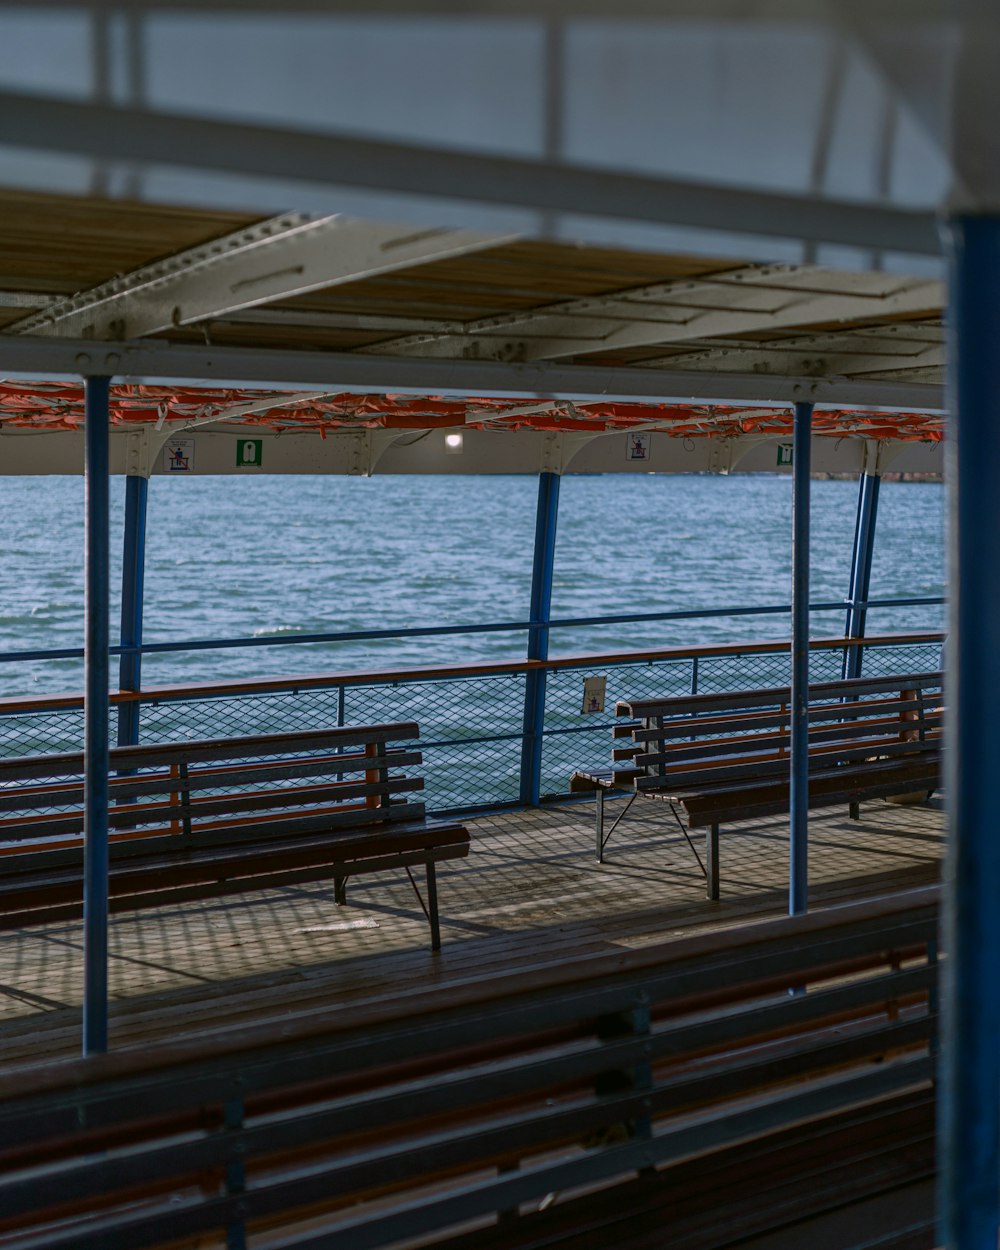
[531, 892]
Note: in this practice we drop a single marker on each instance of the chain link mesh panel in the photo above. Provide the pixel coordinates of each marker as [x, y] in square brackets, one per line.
[470, 733]
[49, 731]
[470, 727]
[231, 716]
[882, 660]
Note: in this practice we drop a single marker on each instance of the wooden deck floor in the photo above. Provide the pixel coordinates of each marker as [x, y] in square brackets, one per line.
[530, 891]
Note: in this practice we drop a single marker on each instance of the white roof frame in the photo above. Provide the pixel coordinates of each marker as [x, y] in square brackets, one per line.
[276, 259]
[155, 361]
[733, 302]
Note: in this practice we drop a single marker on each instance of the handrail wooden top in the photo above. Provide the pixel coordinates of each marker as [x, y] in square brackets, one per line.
[318, 681]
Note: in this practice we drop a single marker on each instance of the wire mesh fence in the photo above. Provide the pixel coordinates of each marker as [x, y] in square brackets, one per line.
[471, 726]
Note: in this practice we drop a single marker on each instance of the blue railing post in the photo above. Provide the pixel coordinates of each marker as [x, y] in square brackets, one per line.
[133, 573]
[96, 706]
[861, 569]
[798, 866]
[969, 1122]
[543, 565]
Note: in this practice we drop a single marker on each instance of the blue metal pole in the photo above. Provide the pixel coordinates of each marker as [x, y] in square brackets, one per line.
[861, 569]
[96, 704]
[798, 867]
[133, 573]
[970, 1103]
[543, 565]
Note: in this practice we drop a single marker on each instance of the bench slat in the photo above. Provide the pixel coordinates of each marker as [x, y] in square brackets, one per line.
[748, 699]
[39, 797]
[720, 806]
[854, 711]
[62, 901]
[822, 759]
[748, 744]
[23, 768]
[259, 802]
[374, 822]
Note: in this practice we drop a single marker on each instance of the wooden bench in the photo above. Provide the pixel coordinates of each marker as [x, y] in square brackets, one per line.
[190, 820]
[725, 757]
[675, 1094]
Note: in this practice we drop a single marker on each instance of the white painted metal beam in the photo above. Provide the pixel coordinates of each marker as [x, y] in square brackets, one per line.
[745, 301]
[331, 371]
[25, 299]
[930, 367]
[900, 342]
[315, 319]
[822, 355]
[275, 259]
[334, 161]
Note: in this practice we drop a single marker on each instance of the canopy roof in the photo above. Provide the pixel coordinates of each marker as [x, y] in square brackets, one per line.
[664, 324]
[487, 333]
[534, 216]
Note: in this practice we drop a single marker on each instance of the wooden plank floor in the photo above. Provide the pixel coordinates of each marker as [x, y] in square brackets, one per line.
[530, 892]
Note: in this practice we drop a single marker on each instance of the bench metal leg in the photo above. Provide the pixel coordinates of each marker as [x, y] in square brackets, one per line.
[712, 862]
[854, 810]
[340, 890]
[432, 906]
[602, 837]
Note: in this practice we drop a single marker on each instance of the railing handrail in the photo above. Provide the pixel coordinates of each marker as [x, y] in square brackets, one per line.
[313, 681]
[432, 631]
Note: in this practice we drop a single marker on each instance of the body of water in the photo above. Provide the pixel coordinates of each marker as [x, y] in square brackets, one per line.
[232, 557]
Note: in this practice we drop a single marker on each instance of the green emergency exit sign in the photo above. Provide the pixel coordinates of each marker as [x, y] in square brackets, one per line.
[785, 451]
[249, 452]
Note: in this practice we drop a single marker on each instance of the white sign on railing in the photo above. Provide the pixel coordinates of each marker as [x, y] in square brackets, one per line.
[594, 690]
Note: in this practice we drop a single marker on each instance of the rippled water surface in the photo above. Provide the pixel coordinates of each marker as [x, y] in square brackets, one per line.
[230, 558]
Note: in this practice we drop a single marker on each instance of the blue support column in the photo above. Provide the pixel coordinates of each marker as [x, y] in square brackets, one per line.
[538, 642]
[96, 706]
[861, 569]
[798, 867]
[133, 572]
[969, 1123]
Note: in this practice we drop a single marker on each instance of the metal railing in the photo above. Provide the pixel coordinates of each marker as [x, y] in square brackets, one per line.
[436, 631]
[473, 727]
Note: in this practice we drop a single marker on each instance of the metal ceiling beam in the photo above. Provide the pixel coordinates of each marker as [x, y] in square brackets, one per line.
[334, 161]
[831, 354]
[898, 341]
[746, 301]
[25, 299]
[275, 259]
[804, 363]
[351, 372]
[314, 319]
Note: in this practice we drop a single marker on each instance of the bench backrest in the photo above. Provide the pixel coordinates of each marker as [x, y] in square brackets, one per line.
[212, 792]
[697, 739]
[495, 1092]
